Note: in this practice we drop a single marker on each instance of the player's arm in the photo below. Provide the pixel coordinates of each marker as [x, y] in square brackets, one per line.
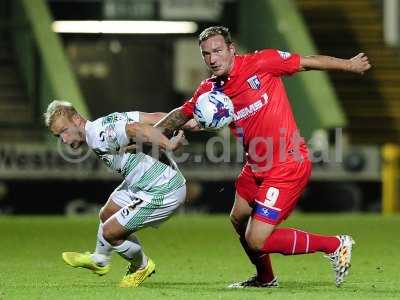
[172, 121]
[144, 133]
[151, 118]
[357, 64]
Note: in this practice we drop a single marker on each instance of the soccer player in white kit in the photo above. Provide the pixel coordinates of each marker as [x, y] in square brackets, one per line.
[149, 194]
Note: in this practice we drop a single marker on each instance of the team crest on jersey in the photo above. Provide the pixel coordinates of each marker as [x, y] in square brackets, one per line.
[254, 82]
[284, 55]
[111, 135]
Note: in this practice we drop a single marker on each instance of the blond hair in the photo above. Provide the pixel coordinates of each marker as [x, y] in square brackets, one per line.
[56, 109]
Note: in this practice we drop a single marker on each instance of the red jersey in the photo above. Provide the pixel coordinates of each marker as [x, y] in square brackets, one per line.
[263, 116]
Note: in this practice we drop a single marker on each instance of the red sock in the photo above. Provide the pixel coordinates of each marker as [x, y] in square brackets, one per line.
[290, 241]
[262, 263]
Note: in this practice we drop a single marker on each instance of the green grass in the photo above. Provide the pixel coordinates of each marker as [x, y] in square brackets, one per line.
[196, 257]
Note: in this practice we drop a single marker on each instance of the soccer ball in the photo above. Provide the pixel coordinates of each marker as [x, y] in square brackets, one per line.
[213, 110]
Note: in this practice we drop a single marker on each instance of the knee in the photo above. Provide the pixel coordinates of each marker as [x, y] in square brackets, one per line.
[234, 220]
[110, 235]
[238, 224]
[255, 241]
[105, 214]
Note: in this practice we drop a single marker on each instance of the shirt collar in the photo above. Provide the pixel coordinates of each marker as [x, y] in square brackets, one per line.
[88, 125]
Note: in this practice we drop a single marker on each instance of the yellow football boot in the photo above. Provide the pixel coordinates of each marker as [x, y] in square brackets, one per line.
[84, 260]
[134, 279]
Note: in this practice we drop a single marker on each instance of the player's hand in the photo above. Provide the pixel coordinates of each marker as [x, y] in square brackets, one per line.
[192, 125]
[177, 141]
[359, 63]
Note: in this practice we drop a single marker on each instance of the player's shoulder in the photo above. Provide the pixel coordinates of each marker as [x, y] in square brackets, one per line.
[205, 86]
[93, 126]
[115, 117]
[104, 131]
[104, 123]
[92, 132]
[111, 118]
[263, 52]
[131, 116]
[207, 83]
[271, 53]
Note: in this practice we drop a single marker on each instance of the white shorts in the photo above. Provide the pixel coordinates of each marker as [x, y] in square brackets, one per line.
[136, 213]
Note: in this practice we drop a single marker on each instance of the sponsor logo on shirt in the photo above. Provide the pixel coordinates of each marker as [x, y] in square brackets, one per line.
[283, 54]
[251, 109]
[254, 82]
[111, 135]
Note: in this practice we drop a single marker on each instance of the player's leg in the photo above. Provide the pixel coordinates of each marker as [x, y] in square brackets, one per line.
[246, 188]
[263, 237]
[291, 241]
[111, 207]
[126, 244]
[276, 200]
[103, 251]
[99, 260]
[120, 198]
[118, 231]
[240, 214]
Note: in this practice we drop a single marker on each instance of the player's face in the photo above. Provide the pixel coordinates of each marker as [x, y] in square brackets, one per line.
[68, 131]
[218, 55]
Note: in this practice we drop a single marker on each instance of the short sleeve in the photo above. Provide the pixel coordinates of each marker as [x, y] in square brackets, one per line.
[133, 116]
[277, 62]
[188, 106]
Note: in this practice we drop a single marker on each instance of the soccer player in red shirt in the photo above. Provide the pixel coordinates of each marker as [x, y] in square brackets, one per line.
[277, 167]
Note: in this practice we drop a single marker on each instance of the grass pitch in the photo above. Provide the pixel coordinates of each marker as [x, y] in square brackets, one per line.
[196, 257]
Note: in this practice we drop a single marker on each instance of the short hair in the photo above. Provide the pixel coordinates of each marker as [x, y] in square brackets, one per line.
[213, 31]
[56, 109]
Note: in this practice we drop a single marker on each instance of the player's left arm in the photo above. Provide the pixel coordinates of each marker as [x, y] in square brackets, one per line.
[357, 64]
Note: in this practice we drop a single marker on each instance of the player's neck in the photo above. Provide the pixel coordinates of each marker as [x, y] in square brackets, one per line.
[232, 66]
[229, 71]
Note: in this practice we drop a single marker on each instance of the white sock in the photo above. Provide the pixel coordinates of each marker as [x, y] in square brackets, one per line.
[102, 254]
[131, 250]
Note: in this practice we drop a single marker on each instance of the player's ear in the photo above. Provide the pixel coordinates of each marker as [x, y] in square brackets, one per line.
[75, 118]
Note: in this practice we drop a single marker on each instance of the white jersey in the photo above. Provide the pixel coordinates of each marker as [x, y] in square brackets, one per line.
[146, 176]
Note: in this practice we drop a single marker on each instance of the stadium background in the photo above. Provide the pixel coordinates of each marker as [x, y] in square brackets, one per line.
[351, 123]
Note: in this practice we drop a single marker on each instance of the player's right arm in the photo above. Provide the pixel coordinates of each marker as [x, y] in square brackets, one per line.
[144, 133]
[154, 118]
[180, 117]
[151, 118]
[172, 121]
